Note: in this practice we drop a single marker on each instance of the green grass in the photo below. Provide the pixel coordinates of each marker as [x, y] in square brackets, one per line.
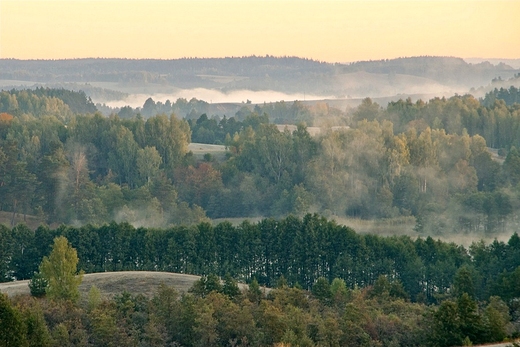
[217, 152]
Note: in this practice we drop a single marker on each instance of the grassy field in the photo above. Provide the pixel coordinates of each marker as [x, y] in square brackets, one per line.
[200, 149]
[113, 283]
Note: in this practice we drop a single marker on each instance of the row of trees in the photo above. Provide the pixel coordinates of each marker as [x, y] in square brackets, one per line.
[300, 250]
[61, 103]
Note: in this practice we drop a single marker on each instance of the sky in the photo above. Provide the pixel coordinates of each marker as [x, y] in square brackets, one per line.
[325, 30]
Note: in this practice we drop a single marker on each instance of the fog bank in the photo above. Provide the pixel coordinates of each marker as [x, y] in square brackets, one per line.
[216, 96]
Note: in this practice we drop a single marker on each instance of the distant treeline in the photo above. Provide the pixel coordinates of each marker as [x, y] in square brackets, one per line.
[443, 69]
[300, 250]
[253, 72]
[277, 112]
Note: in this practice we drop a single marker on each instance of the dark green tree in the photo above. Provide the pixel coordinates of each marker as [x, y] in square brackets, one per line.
[12, 327]
[470, 321]
[38, 285]
[321, 290]
[230, 287]
[446, 330]
[463, 282]
[254, 293]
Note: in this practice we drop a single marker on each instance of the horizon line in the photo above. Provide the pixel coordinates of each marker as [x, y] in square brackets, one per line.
[259, 56]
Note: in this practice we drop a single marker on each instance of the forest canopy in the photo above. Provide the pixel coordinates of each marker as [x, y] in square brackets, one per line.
[450, 164]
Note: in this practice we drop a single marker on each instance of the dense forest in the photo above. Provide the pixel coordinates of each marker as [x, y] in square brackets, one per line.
[424, 160]
[135, 198]
[333, 287]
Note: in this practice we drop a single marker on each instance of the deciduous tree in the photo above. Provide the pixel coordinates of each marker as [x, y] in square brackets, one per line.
[60, 269]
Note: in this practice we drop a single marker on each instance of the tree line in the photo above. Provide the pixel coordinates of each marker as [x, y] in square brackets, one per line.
[299, 250]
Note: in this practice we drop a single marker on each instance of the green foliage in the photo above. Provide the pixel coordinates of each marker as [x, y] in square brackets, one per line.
[38, 285]
[11, 325]
[459, 323]
[496, 319]
[470, 320]
[208, 284]
[322, 291]
[427, 160]
[446, 326]
[463, 283]
[60, 270]
[6, 249]
[254, 293]
[302, 250]
[94, 298]
[281, 282]
[285, 315]
[512, 165]
[510, 96]
[339, 291]
[230, 287]
[37, 331]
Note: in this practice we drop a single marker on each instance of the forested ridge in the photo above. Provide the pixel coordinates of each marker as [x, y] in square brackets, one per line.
[260, 73]
[510, 96]
[128, 70]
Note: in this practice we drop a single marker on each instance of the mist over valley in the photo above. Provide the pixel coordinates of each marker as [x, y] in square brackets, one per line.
[258, 79]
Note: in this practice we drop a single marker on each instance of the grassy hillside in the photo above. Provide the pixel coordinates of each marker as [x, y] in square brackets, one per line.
[113, 283]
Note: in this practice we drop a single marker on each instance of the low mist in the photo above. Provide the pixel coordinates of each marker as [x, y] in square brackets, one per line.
[216, 96]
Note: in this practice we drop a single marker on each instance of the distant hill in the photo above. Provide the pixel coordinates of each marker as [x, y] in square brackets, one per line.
[515, 63]
[448, 70]
[380, 78]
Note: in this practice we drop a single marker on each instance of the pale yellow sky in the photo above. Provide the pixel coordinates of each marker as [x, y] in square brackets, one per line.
[334, 31]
